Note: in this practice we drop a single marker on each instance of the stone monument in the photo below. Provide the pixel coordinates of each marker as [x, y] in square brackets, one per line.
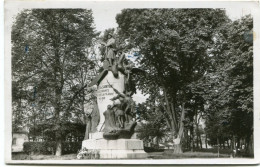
[113, 135]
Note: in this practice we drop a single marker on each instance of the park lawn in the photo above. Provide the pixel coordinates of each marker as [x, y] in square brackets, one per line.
[166, 154]
[44, 157]
[53, 157]
[152, 155]
[190, 154]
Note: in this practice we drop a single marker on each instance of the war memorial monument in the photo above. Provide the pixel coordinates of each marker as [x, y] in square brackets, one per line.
[113, 133]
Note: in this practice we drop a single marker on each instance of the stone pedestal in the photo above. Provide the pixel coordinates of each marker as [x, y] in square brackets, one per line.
[122, 147]
[96, 135]
[117, 149]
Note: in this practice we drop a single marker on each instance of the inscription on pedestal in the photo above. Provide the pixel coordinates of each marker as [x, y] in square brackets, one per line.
[105, 93]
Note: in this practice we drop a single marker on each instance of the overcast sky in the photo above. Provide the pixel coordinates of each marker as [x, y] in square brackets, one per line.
[105, 18]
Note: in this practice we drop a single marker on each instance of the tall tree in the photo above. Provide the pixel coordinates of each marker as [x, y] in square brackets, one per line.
[50, 52]
[172, 45]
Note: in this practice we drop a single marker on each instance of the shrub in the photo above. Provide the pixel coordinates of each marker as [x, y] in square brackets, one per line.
[50, 147]
[71, 147]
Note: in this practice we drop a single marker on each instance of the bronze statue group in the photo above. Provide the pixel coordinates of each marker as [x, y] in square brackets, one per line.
[119, 117]
[115, 61]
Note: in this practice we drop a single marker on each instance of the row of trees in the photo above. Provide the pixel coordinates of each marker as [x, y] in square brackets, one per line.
[199, 64]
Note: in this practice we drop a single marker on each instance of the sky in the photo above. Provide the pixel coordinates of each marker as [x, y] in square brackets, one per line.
[105, 18]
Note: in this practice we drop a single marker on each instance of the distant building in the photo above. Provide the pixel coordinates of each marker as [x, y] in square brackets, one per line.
[18, 139]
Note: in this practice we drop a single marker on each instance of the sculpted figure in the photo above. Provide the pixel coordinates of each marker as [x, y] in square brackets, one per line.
[120, 61]
[120, 115]
[125, 99]
[91, 112]
[110, 122]
[110, 49]
[128, 70]
[88, 126]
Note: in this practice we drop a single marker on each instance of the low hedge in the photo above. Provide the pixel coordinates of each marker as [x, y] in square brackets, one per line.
[152, 149]
[50, 147]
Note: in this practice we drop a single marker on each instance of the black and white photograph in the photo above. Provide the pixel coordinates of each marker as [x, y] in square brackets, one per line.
[133, 82]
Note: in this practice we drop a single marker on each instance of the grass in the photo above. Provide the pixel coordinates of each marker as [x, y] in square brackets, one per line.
[53, 157]
[214, 150]
[43, 157]
[167, 154]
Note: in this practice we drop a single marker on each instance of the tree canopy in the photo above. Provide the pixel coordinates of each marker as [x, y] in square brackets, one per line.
[173, 45]
[51, 64]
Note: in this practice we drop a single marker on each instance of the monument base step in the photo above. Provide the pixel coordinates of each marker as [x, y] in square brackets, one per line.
[96, 135]
[117, 149]
[122, 154]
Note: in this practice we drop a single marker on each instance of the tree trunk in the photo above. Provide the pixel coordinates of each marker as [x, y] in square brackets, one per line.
[58, 148]
[197, 128]
[157, 142]
[193, 145]
[58, 78]
[169, 108]
[234, 143]
[58, 135]
[200, 142]
[206, 141]
[250, 149]
[178, 149]
[192, 138]
[178, 146]
[197, 141]
[238, 143]
[88, 128]
[187, 140]
[218, 145]
[190, 141]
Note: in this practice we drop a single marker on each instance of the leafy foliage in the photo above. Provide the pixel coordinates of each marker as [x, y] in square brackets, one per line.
[45, 131]
[50, 147]
[227, 88]
[173, 46]
[51, 62]
[152, 130]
